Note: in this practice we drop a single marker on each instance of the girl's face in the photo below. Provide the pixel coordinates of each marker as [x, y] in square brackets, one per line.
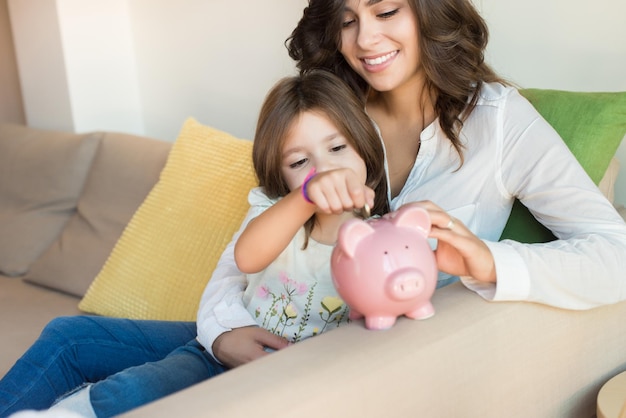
[379, 40]
[314, 141]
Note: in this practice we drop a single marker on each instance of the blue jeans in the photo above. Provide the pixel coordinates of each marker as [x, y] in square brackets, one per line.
[130, 363]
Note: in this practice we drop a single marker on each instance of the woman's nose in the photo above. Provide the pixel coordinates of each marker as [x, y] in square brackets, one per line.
[368, 33]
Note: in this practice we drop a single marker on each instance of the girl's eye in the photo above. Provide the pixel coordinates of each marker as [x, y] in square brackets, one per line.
[387, 15]
[338, 148]
[347, 23]
[298, 163]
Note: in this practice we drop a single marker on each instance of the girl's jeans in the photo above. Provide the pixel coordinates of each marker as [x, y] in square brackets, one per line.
[132, 362]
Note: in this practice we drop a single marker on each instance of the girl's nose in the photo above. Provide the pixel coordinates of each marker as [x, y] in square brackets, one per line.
[322, 166]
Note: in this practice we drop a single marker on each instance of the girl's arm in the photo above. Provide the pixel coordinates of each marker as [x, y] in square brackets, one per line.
[266, 236]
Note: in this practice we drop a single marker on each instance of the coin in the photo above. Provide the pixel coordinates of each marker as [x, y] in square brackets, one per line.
[365, 211]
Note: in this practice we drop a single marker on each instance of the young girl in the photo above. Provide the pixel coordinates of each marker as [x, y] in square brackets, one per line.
[318, 160]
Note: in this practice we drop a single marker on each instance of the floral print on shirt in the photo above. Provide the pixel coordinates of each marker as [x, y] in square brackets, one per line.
[288, 307]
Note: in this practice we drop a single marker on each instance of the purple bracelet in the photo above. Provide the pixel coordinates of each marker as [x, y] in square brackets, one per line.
[308, 178]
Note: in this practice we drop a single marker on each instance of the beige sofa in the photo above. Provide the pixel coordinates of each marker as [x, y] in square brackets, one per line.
[65, 199]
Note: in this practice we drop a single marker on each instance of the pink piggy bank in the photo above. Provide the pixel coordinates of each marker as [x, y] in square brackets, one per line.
[383, 268]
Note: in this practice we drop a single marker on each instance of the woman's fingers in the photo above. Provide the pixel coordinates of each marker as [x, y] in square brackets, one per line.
[439, 218]
[459, 251]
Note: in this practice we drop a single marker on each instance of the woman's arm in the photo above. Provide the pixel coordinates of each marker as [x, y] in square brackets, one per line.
[514, 153]
[585, 266]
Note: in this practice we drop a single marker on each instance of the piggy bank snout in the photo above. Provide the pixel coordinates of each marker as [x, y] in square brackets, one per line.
[406, 283]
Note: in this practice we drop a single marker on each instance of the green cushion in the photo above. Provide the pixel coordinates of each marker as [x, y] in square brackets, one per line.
[591, 124]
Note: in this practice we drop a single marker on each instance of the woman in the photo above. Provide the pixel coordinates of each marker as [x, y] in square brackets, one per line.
[457, 135]
[454, 134]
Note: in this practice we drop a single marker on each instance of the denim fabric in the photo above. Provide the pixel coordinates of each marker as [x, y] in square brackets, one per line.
[136, 386]
[75, 350]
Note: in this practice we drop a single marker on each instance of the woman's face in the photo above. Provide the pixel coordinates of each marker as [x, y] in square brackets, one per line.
[379, 40]
[313, 141]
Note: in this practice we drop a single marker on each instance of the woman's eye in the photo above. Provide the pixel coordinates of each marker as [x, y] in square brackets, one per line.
[347, 21]
[338, 148]
[298, 163]
[387, 15]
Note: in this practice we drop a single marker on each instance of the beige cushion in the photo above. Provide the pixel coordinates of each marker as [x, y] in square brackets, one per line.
[25, 310]
[163, 260]
[124, 171]
[41, 177]
[473, 359]
[607, 184]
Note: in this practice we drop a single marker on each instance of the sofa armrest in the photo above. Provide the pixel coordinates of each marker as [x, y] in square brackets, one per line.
[472, 359]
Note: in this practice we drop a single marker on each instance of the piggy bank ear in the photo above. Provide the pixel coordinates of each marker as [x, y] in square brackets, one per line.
[413, 217]
[350, 235]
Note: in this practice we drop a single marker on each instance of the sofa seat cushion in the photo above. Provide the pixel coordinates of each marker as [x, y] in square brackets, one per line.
[607, 184]
[472, 359]
[124, 170]
[25, 310]
[165, 257]
[42, 174]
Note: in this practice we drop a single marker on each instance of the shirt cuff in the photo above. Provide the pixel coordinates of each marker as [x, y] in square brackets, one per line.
[227, 317]
[513, 278]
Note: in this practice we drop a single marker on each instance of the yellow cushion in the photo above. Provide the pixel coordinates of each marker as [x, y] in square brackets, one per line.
[164, 259]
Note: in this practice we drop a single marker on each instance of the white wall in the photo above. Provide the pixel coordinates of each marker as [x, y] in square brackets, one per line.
[41, 65]
[76, 64]
[215, 59]
[100, 63]
[561, 44]
[144, 66]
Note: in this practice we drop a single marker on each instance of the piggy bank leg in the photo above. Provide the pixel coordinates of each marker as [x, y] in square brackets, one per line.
[354, 314]
[424, 311]
[379, 322]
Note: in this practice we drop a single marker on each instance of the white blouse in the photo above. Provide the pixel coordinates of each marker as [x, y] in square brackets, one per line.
[509, 151]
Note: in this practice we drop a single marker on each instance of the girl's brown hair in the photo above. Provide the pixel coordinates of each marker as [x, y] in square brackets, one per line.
[453, 38]
[322, 92]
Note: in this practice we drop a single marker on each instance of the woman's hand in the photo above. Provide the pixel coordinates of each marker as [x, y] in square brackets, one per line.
[337, 191]
[459, 252]
[242, 345]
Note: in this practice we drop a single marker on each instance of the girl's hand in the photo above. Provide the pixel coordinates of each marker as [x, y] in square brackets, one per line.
[242, 345]
[337, 191]
[459, 252]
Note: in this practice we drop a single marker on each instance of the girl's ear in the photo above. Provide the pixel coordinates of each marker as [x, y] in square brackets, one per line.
[413, 217]
[351, 233]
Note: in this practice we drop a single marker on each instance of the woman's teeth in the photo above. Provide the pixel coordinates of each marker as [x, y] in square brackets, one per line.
[380, 60]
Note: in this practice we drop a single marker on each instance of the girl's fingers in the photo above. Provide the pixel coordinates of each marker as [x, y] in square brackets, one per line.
[338, 191]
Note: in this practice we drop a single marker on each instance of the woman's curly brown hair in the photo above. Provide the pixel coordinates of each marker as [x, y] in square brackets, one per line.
[453, 38]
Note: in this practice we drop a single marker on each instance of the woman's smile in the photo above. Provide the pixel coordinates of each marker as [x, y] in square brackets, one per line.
[379, 63]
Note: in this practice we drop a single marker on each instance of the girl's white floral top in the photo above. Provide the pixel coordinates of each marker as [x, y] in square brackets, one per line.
[294, 297]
